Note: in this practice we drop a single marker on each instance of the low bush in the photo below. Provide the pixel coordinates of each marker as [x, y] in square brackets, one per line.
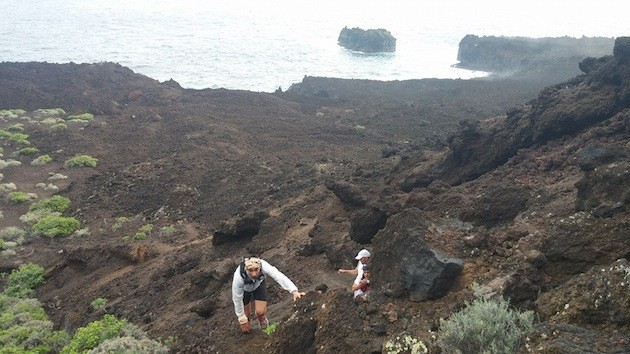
[130, 345]
[54, 203]
[7, 187]
[42, 160]
[12, 233]
[9, 163]
[33, 217]
[22, 282]
[93, 334]
[81, 161]
[20, 138]
[58, 126]
[27, 151]
[50, 112]
[118, 224]
[18, 127]
[98, 303]
[484, 326]
[56, 226]
[83, 117]
[25, 328]
[19, 197]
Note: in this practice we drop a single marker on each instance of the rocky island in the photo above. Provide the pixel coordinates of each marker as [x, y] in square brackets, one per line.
[367, 41]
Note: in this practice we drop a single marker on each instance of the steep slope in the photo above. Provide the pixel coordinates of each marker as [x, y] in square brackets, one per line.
[291, 177]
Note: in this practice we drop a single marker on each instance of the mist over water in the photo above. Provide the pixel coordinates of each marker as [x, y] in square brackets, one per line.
[263, 45]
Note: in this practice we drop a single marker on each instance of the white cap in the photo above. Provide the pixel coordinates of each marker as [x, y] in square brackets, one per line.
[362, 253]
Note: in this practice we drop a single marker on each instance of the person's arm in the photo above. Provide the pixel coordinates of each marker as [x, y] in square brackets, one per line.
[282, 279]
[237, 296]
[358, 284]
[354, 271]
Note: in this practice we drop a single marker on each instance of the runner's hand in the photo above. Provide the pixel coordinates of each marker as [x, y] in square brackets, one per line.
[296, 295]
[245, 327]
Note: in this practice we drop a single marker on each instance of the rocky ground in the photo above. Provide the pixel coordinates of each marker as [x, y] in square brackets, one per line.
[527, 186]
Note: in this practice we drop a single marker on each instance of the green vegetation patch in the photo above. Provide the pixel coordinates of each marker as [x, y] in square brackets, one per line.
[41, 160]
[93, 334]
[83, 117]
[50, 112]
[20, 139]
[23, 281]
[54, 203]
[484, 326]
[51, 121]
[5, 134]
[98, 303]
[19, 197]
[56, 226]
[81, 161]
[58, 126]
[18, 127]
[27, 151]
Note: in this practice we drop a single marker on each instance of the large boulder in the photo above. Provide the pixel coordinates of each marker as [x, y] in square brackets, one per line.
[367, 41]
[403, 263]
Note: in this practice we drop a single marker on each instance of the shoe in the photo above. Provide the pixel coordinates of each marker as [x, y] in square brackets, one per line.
[263, 324]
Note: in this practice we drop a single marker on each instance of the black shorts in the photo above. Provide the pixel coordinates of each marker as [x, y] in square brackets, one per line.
[259, 294]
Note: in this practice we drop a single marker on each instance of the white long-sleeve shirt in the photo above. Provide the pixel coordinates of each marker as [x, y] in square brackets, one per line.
[239, 287]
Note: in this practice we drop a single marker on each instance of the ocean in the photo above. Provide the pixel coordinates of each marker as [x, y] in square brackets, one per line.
[264, 45]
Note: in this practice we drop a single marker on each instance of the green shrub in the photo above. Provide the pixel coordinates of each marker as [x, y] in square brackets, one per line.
[5, 134]
[119, 222]
[7, 187]
[93, 334]
[140, 236]
[83, 116]
[51, 112]
[12, 233]
[41, 160]
[9, 163]
[58, 126]
[81, 161]
[484, 326]
[18, 127]
[18, 197]
[146, 228]
[23, 281]
[33, 217]
[20, 138]
[53, 226]
[28, 151]
[54, 203]
[98, 303]
[25, 328]
[51, 121]
[130, 345]
[168, 230]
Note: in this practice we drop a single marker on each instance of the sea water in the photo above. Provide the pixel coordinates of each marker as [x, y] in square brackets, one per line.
[263, 45]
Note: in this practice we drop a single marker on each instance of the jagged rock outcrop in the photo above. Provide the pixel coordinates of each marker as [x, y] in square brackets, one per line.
[498, 54]
[559, 110]
[367, 41]
[403, 263]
